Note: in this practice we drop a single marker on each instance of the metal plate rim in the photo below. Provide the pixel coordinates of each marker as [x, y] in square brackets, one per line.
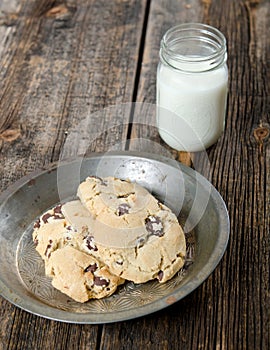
[69, 317]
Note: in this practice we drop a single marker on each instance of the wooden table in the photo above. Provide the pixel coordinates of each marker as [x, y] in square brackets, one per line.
[62, 61]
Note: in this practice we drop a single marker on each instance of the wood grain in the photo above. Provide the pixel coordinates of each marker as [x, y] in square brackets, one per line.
[61, 63]
[231, 309]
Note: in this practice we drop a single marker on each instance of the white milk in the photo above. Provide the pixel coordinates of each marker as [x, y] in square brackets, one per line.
[192, 87]
[191, 107]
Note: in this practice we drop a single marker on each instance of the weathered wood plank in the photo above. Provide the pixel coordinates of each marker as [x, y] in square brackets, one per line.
[231, 309]
[60, 61]
[55, 73]
[62, 64]
[162, 16]
[32, 332]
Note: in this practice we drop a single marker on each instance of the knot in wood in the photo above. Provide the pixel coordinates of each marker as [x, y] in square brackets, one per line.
[10, 135]
[261, 134]
[59, 11]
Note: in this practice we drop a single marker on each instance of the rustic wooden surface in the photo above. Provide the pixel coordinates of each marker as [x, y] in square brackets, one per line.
[63, 61]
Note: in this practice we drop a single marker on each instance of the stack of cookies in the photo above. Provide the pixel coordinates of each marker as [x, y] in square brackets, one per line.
[115, 231]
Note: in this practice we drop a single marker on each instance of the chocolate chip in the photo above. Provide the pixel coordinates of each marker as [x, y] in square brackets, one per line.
[47, 249]
[55, 216]
[58, 209]
[36, 242]
[160, 275]
[45, 217]
[37, 224]
[154, 226]
[140, 242]
[91, 268]
[126, 195]
[70, 228]
[103, 183]
[101, 282]
[89, 240]
[123, 209]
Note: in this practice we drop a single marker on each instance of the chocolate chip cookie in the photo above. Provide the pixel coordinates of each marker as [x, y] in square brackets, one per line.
[80, 275]
[136, 236]
[77, 274]
[116, 230]
[52, 231]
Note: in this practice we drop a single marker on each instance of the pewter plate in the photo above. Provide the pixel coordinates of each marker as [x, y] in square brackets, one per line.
[198, 205]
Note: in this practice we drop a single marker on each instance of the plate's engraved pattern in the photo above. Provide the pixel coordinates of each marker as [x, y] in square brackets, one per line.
[129, 295]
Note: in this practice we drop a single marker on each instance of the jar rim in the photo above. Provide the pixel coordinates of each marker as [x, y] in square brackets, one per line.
[199, 32]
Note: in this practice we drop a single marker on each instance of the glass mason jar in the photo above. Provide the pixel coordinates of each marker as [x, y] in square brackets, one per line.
[192, 79]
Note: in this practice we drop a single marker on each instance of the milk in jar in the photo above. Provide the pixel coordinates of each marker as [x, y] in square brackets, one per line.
[192, 81]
